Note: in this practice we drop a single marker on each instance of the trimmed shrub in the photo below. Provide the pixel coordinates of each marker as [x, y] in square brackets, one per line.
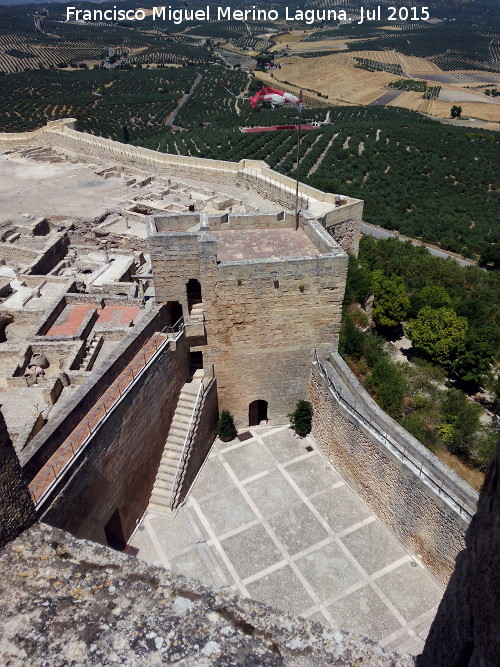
[301, 418]
[226, 430]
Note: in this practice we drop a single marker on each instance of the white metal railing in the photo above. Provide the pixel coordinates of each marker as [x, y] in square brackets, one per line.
[205, 384]
[64, 457]
[416, 462]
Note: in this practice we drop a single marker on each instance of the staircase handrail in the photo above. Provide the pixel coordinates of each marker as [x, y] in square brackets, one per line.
[205, 383]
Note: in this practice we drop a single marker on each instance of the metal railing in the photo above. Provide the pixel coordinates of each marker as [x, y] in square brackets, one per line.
[415, 463]
[180, 470]
[65, 455]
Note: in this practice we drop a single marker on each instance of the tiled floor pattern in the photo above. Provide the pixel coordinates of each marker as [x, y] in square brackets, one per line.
[270, 520]
[71, 318]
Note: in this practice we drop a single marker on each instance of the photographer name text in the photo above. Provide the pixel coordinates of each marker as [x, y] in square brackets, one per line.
[220, 13]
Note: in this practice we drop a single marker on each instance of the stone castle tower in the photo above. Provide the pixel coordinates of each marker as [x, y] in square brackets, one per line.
[258, 297]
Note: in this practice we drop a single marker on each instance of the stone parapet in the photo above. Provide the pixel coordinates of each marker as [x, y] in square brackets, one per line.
[421, 500]
[89, 604]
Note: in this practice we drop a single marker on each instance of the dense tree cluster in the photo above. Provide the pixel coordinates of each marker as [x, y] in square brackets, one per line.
[452, 318]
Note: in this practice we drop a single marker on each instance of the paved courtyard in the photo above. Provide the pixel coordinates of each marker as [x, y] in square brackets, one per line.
[269, 518]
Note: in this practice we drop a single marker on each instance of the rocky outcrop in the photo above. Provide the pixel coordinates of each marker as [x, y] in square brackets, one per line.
[466, 630]
[71, 602]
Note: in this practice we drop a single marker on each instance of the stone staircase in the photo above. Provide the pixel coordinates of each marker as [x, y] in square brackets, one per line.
[90, 349]
[165, 479]
[196, 311]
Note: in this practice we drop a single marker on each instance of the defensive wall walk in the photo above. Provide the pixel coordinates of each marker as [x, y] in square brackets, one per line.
[62, 134]
[426, 505]
[66, 454]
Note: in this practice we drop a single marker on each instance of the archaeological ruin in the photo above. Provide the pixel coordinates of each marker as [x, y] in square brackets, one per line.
[141, 294]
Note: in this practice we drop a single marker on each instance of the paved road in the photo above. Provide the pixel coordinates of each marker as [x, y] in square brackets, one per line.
[378, 233]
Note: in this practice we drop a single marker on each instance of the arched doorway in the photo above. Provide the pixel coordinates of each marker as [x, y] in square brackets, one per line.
[174, 312]
[257, 412]
[193, 289]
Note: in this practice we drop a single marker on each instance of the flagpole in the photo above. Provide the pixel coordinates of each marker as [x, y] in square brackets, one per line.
[297, 168]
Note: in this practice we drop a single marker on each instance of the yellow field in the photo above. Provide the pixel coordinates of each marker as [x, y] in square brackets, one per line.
[229, 46]
[411, 100]
[292, 37]
[489, 112]
[410, 64]
[319, 45]
[335, 75]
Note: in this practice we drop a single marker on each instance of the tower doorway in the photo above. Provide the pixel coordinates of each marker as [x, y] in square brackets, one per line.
[195, 361]
[174, 312]
[193, 289]
[257, 412]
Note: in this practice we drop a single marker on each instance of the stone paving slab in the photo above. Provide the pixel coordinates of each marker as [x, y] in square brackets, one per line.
[235, 244]
[268, 519]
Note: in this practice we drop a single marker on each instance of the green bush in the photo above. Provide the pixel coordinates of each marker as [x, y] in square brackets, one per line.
[301, 418]
[388, 385]
[226, 430]
[351, 339]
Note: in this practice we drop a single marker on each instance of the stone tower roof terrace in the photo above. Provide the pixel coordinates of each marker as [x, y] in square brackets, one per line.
[235, 244]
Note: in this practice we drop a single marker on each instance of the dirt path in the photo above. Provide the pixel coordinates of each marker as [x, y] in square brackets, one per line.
[170, 120]
[242, 96]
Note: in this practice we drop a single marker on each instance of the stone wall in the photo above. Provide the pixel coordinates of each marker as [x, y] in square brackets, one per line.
[88, 604]
[117, 469]
[53, 434]
[256, 173]
[175, 258]
[344, 224]
[466, 629]
[261, 336]
[422, 501]
[16, 508]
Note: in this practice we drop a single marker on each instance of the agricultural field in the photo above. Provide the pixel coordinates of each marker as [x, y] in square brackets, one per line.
[450, 46]
[104, 102]
[451, 198]
[23, 48]
[18, 53]
[377, 66]
[340, 79]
